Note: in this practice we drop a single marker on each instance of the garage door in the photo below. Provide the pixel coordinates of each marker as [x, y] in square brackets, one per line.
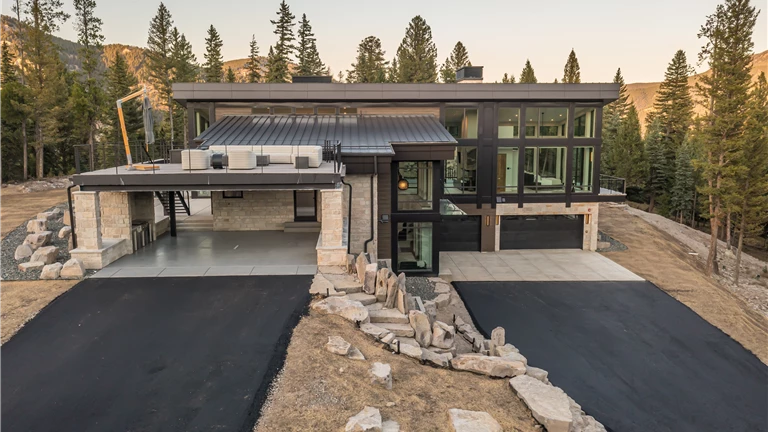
[460, 233]
[541, 232]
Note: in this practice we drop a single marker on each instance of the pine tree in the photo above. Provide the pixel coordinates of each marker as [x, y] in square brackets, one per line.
[89, 36]
[369, 66]
[458, 59]
[17, 8]
[120, 82]
[230, 77]
[306, 53]
[673, 105]
[253, 65]
[417, 54]
[185, 69]
[659, 170]
[279, 57]
[725, 91]
[508, 79]
[628, 151]
[528, 76]
[393, 72]
[683, 183]
[572, 71]
[159, 61]
[614, 114]
[213, 68]
[11, 100]
[447, 71]
[7, 66]
[42, 19]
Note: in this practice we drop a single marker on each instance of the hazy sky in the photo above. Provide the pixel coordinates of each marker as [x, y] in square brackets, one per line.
[640, 36]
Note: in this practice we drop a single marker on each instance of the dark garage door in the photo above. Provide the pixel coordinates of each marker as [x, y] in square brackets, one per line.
[460, 233]
[541, 232]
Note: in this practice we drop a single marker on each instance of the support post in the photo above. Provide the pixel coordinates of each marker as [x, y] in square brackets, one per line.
[172, 212]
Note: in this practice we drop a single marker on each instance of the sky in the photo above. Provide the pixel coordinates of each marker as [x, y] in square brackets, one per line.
[640, 36]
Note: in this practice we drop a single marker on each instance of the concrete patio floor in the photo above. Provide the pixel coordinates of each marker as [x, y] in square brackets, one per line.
[220, 254]
[534, 265]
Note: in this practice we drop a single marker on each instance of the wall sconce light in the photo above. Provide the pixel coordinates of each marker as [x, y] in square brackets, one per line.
[384, 218]
[402, 184]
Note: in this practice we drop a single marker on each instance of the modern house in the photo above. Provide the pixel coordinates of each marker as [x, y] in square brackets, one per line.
[401, 171]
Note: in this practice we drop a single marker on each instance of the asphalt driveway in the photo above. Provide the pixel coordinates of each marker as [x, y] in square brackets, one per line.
[158, 354]
[632, 356]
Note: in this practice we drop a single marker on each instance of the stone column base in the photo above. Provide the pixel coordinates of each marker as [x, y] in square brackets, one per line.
[96, 259]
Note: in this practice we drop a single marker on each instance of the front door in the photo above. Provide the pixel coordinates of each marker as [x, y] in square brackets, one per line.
[305, 206]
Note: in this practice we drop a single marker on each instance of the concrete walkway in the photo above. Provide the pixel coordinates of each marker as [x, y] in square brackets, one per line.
[534, 265]
[220, 254]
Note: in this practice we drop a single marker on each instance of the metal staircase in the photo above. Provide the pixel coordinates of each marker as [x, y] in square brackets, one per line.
[180, 202]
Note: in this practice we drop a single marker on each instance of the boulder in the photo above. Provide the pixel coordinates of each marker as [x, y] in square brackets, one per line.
[373, 330]
[22, 251]
[539, 374]
[322, 286]
[423, 330]
[392, 316]
[516, 356]
[29, 266]
[360, 262]
[57, 212]
[390, 426]
[400, 330]
[451, 350]
[548, 404]
[38, 239]
[430, 307]
[442, 300]
[37, 225]
[498, 338]
[391, 292]
[73, 269]
[381, 284]
[498, 367]
[45, 254]
[355, 354]
[475, 338]
[439, 360]
[442, 288]
[67, 219]
[473, 421]
[388, 338]
[410, 350]
[367, 420]
[65, 232]
[47, 216]
[381, 374]
[337, 345]
[51, 271]
[350, 264]
[365, 299]
[369, 283]
[505, 349]
[342, 306]
[443, 335]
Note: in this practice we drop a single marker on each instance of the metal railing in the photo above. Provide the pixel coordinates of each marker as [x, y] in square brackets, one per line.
[112, 155]
[610, 185]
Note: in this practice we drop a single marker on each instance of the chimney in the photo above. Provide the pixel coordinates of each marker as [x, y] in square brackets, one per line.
[311, 79]
[469, 74]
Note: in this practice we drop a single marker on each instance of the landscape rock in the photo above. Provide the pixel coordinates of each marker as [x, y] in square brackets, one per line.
[345, 283]
[498, 338]
[381, 284]
[45, 254]
[342, 306]
[373, 330]
[473, 421]
[516, 356]
[37, 225]
[410, 350]
[367, 420]
[65, 232]
[73, 269]
[423, 330]
[355, 354]
[388, 338]
[67, 219]
[381, 374]
[390, 426]
[475, 338]
[337, 345]
[548, 404]
[451, 350]
[388, 316]
[369, 283]
[505, 349]
[442, 300]
[51, 271]
[360, 263]
[375, 306]
[48, 216]
[440, 360]
[391, 291]
[365, 299]
[22, 251]
[442, 288]
[322, 286]
[498, 367]
[57, 212]
[400, 330]
[32, 265]
[39, 239]
[539, 374]
[350, 264]
[430, 307]
[403, 298]
[443, 335]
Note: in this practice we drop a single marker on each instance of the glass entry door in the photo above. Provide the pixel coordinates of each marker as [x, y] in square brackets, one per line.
[414, 246]
[305, 206]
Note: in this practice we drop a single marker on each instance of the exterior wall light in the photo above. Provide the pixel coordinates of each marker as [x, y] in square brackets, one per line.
[402, 184]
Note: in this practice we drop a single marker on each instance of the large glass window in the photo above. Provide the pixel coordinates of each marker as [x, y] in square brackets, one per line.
[583, 159]
[414, 186]
[461, 172]
[414, 246]
[584, 122]
[507, 160]
[461, 122]
[509, 123]
[544, 170]
[549, 122]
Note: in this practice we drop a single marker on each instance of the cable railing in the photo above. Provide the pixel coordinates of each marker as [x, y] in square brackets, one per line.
[610, 185]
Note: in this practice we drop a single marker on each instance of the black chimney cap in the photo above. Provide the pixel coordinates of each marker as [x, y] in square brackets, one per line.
[312, 79]
[469, 73]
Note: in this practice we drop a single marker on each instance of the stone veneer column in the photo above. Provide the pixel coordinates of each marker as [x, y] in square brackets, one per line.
[332, 223]
[143, 209]
[88, 220]
[115, 215]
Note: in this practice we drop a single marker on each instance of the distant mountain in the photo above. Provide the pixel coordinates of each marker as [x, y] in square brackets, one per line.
[643, 94]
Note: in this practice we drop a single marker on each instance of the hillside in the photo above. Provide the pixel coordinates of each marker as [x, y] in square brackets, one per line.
[643, 94]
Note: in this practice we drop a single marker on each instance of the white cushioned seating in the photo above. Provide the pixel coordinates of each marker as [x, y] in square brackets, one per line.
[227, 149]
[195, 159]
[278, 154]
[241, 159]
[314, 153]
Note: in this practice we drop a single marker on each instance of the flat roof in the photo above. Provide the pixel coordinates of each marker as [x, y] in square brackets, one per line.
[392, 92]
[358, 134]
[173, 177]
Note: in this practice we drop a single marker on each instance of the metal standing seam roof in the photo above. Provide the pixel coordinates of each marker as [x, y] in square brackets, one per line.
[358, 134]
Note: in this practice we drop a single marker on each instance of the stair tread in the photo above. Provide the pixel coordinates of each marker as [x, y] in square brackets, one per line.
[398, 329]
[365, 299]
[388, 316]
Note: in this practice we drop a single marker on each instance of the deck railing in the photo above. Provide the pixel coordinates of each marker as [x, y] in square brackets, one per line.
[610, 185]
[112, 155]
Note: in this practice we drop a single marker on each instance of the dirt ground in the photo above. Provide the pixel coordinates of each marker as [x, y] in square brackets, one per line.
[318, 390]
[18, 206]
[21, 301]
[659, 258]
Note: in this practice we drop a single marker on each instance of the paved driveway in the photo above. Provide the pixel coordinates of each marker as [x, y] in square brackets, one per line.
[159, 354]
[632, 356]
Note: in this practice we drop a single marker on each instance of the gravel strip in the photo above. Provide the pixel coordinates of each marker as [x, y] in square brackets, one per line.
[616, 246]
[420, 286]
